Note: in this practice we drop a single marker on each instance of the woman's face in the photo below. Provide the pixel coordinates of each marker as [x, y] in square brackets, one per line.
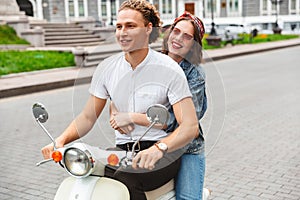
[181, 39]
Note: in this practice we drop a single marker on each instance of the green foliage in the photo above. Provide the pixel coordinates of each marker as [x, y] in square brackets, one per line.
[266, 38]
[8, 36]
[247, 39]
[24, 61]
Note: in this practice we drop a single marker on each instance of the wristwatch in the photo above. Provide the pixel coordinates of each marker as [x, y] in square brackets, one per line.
[162, 146]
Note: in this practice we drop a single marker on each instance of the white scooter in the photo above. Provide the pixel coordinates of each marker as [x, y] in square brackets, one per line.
[86, 165]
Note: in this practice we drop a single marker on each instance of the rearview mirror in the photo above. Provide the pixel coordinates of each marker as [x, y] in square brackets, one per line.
[158, 114]
[40, 113]
[41, 116]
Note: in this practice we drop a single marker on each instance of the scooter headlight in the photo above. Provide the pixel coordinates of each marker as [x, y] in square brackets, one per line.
[77, 162]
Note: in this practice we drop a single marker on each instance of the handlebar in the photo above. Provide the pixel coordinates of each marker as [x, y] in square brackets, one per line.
[43, 162]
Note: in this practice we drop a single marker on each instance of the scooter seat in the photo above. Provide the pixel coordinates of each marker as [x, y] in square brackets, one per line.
[159, 193]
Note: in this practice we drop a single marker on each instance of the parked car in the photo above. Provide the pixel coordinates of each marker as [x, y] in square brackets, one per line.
[237, 29]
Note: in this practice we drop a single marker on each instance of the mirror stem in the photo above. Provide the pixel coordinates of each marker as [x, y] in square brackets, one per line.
[137, 141]
[45, 130]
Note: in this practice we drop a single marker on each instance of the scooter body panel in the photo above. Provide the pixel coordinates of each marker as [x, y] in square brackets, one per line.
[92, 188]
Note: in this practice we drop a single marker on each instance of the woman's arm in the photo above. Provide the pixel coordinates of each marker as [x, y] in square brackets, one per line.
[124, 122]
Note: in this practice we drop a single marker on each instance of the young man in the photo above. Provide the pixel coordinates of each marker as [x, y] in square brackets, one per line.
[135, 79]
[183, 43]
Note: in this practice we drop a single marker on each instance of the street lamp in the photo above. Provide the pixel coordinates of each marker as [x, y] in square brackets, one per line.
[111, 12]
[213, 39]
[213, 31]
[276, 29]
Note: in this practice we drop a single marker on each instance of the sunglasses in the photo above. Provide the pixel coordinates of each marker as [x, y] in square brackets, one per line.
[185, 36]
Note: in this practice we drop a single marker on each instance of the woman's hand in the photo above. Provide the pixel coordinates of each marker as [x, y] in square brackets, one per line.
[121, 122]
[122, 119]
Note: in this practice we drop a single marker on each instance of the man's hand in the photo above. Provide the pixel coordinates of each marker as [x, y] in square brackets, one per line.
[47, 150]
[147, 158]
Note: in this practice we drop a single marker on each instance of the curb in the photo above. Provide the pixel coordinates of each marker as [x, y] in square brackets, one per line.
[43, 87]
[210, 56]
[221, 57]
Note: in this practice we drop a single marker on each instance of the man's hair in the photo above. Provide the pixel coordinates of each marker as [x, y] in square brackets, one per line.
[149, 13]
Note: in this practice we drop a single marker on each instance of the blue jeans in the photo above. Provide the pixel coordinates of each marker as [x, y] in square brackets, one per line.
[190, 178]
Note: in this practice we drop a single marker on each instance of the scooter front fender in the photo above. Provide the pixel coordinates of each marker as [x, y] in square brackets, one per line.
[92, 188]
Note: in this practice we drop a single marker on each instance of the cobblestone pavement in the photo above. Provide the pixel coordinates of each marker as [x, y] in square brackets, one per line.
[256, 155]
[22, 139]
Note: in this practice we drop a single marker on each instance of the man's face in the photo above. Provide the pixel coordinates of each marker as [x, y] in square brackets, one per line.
[131, 32]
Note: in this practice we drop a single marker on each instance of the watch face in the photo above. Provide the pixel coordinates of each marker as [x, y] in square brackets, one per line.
[163, 146]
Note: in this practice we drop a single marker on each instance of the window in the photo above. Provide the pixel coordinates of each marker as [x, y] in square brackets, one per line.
[80, 8]
[265, 5]
[71, 8]
[233, 5]
[164, 6]
[113, 7]
[293, 7]
[232, 8]
[170, 6]
[265, 26]
[103, 8]
[76, 8]
[230, 5]
[274, 7]
[293, 4]
[236, 5]
[209, 2]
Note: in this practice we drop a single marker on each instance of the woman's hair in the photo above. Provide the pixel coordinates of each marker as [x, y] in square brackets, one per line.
[149, 13]
[194, 56]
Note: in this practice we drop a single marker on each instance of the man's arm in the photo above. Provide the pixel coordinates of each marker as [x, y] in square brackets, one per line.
[187, 130]
[80, 126]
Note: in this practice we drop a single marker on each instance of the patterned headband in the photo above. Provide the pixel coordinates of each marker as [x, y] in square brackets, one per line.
[198, 22]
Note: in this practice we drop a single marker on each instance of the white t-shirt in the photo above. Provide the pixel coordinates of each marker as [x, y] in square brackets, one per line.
[156, 80]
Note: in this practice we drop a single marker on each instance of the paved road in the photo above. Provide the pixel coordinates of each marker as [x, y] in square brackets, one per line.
[22, 139]
[252, 127]
[257, 155]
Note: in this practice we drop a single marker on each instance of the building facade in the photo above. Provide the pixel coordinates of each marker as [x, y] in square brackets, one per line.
[262, 13]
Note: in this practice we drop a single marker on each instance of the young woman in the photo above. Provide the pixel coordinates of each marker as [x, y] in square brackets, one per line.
[183, 43]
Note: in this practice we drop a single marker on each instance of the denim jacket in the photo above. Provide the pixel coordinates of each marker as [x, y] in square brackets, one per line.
[196, 79]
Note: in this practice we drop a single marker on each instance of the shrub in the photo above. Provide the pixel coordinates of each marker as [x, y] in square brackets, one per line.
[8, 36]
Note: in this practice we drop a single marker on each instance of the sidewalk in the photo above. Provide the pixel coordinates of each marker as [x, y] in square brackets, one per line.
[24, 83]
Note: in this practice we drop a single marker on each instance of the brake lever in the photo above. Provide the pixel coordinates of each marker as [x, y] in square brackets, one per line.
[43, 162]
